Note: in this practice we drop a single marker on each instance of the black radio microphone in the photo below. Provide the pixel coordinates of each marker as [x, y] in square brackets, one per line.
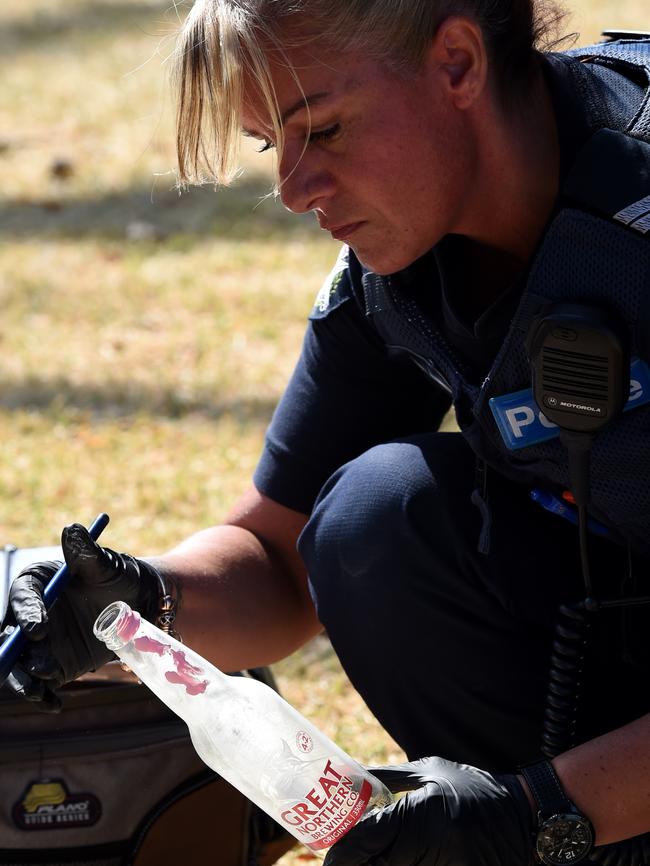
[580, 365]
[580, 362]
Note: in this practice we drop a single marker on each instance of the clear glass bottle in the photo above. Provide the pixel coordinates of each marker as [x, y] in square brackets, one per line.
[249, 734]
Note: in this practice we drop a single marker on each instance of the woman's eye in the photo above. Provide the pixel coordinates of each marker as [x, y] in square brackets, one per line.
[318, 135]
[325, 134]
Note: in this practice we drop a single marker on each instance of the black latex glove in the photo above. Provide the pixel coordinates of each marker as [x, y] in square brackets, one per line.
[61, 644]
[455, 815]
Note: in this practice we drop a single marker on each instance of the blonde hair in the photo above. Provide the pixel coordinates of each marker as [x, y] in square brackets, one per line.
[224, 40]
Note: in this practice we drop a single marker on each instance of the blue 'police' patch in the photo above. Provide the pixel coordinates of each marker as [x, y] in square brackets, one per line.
[521, 422]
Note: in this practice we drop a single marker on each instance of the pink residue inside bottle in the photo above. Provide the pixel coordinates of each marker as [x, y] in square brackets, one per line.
[129, 626]
[186, 674]
[183, 667]
[149, 645]
[192, 686]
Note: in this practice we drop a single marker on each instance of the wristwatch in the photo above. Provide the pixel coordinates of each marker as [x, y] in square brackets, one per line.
[564, 834]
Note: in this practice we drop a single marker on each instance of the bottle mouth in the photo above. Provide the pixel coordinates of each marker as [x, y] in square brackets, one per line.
[116, 625]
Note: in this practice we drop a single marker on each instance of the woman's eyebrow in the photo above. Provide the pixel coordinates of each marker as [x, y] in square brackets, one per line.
[305, 102]
[301, 104]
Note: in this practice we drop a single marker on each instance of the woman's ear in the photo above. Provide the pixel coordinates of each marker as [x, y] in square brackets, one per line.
[458, 58]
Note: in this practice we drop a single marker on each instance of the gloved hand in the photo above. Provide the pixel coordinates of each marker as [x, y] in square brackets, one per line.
[456, 815]
[62, 645]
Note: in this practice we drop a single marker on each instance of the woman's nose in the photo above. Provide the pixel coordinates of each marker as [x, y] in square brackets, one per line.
[305, 183]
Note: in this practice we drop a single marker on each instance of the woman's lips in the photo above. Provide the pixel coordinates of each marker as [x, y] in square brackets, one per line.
[342, 232]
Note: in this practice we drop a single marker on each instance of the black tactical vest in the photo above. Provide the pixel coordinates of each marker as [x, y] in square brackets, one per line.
[596, 250]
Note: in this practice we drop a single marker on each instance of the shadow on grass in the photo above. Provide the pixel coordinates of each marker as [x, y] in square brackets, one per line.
[116, 400]
[148, 214]
[47, 29]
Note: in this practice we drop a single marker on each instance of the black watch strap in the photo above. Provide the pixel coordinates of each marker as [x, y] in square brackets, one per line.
[546, 789]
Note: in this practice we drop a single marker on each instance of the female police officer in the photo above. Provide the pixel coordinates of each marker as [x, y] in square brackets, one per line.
[458, 165]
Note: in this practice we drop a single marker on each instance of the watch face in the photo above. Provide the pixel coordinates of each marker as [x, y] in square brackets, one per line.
[564, 839]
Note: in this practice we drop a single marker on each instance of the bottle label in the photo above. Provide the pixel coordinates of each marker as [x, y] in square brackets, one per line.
[331, 808]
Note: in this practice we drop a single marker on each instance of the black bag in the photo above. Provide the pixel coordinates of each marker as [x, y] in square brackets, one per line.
[113, 780]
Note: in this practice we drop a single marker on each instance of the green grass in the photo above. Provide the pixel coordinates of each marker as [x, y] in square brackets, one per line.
[145, 337]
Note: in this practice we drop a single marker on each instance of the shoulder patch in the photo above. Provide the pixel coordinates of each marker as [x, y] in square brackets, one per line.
[334, 289]
[636, 215]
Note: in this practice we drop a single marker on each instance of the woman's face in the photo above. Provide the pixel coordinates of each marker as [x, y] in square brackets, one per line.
[388, 166]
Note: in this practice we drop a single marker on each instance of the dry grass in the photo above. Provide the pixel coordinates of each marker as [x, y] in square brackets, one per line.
[145, 337]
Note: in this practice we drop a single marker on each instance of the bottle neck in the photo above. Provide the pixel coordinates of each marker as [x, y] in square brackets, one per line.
[175, 673]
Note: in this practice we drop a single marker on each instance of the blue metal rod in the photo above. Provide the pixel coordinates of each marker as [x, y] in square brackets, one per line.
[12, 648]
